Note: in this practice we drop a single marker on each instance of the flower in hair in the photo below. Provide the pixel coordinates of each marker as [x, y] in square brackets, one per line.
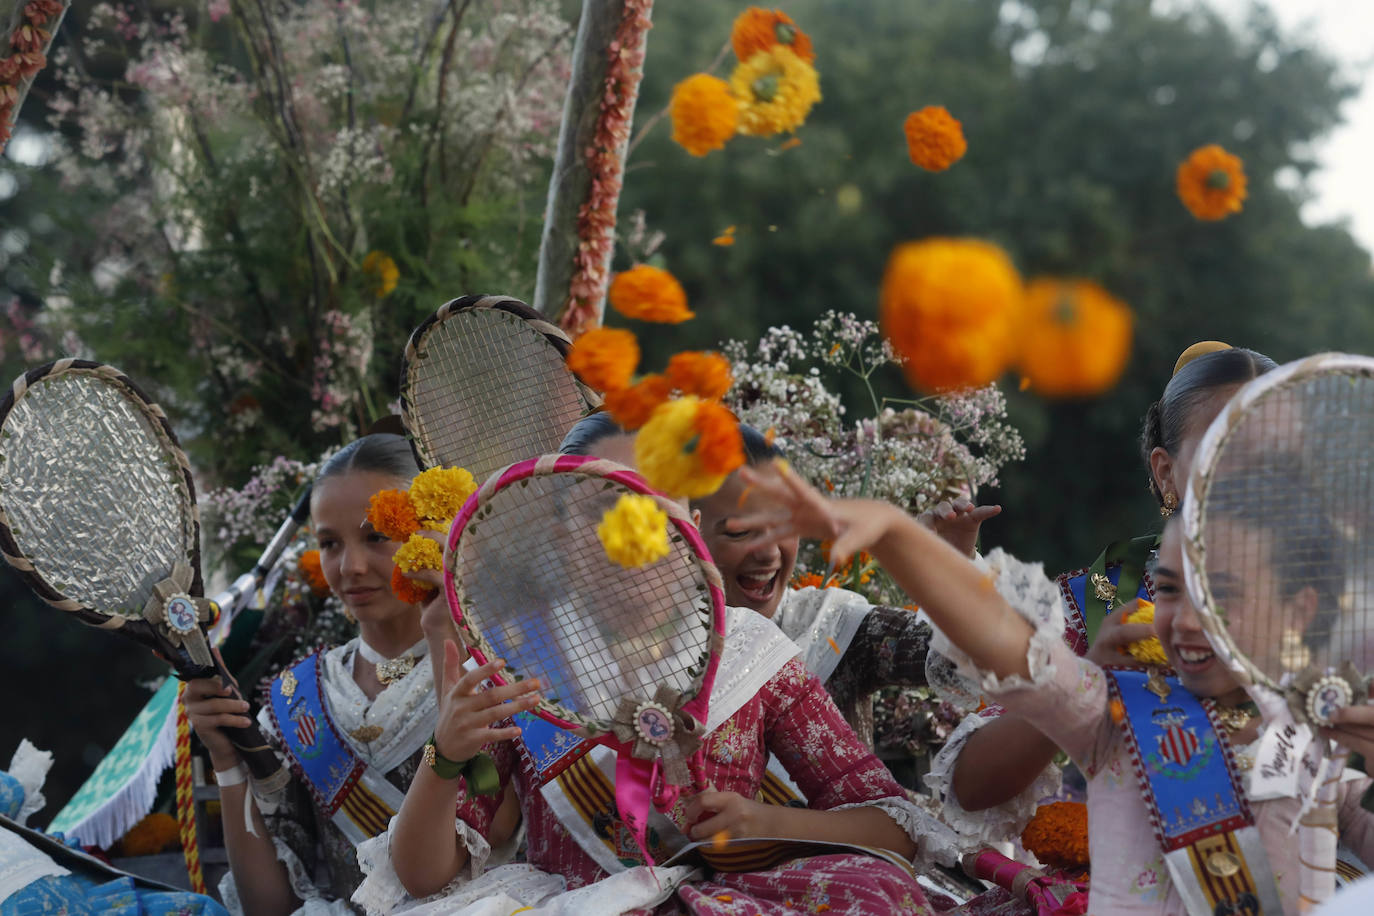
[704, 114]
[1150, 651]
[634, 532]
[706, 375]
[438, 495]
[1211, 183]
[605, 358]
[409, 590]
[934, 138]
[1058, 835]
[649, 294]
[313, 573]
[418, 553]
[688, 447]
[757, 29]
[391, 513]
[633, 406]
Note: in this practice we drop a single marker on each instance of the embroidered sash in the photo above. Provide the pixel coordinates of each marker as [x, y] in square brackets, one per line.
[352, 794]
[1086, 608]
[1188, 779]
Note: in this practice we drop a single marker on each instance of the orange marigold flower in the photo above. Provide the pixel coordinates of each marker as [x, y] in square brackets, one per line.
[605, 358]
[807, 580]
[934, 138]
[949, 308]
[633, 406]
[1074, 339]
[1118, 710]
[1058, 835]
[390, 512]
[649, 294]
[409, 590]
[720, 448]
[151, 835]
[1211, 183]
[313, 573]
[705, 115]
[758, 29]
[706, 375]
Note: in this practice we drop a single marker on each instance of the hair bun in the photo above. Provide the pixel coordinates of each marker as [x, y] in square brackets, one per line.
[1201, 348]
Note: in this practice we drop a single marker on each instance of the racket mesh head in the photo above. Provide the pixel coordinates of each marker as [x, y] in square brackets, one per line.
[535, 586]
[484, 388]
[1285, 522]
[93, 493]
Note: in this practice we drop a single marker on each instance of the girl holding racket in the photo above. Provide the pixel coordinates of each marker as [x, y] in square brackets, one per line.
[351, 721]
[852, 798]
[1005, 618]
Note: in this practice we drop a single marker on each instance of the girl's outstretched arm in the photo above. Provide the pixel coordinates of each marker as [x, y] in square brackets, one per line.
[962, 600]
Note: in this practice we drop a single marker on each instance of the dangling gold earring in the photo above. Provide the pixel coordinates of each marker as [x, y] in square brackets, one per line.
[1170, 504]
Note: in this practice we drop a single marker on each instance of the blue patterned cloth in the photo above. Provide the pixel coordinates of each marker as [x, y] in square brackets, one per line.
[11, 795]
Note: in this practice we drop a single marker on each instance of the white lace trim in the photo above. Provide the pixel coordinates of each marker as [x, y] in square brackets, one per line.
[1031, 594]
[302, 885]
[998, 824]
[312, 902]
[935, 842]
[382, 890]
[30, 766]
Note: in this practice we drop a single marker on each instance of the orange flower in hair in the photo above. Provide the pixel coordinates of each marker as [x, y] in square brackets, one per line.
[633, 406]
[934, 138]
[649, 294]
[706, 375]
[1058, 835]
[391, 513]
[720, 448]
[757, 29]
[605, 358]
[313, 573]
[1211, 183]
[408, 590]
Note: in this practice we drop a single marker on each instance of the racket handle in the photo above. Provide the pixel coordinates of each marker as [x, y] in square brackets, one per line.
[269, 776]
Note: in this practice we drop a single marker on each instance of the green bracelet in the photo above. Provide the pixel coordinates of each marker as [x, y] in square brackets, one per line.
[479, 769]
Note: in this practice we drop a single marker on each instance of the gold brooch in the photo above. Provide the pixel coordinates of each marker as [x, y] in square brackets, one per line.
[1234, 718]
[393, 670]
[1103, 588]
[288, 684]
[1223, 864]
[366, 733]
[1156, 684]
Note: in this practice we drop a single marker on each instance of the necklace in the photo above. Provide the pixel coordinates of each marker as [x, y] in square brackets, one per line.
[391, 670]
[1234, 718]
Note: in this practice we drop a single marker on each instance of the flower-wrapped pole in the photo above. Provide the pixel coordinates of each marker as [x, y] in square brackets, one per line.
[24, 49]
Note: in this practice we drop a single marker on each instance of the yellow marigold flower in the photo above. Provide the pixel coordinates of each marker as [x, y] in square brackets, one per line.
[649, 294]
[706, 375]
[949, 308]
[605, 358]
[1058, 835]
[418, 553]
[934, 138]
[705, 114]
[633, 406]
[438, 494]
[384, 272]
[1211, 183]
[1075, 338]
[757, 29]
[1150, 651]
[688, 447]
[776, 90]
[634, 532]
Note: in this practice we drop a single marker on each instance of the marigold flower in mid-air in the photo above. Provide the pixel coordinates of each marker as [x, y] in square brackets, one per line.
[688, 447]
[934, 138]
[605, 358]
[705, 115]
[649, 294]
[1211, 183]
[633, 406]
[439, 493]
[635, 532]
[1074, 338]
[776, 90]
[391, 513]
[313, 573]
[757, 29]
[706, 375]
[384, 272]
[949, 308]
[409, 590]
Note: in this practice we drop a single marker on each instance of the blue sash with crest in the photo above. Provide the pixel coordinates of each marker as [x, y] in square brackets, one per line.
[1198, 810]
[360, 801]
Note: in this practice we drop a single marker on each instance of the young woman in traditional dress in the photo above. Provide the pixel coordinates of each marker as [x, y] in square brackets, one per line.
[1006, 620]
[351, 722]
[580, 858]
[995, 769]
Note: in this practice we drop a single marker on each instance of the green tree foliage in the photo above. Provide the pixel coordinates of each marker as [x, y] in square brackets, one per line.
[1077, 115]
